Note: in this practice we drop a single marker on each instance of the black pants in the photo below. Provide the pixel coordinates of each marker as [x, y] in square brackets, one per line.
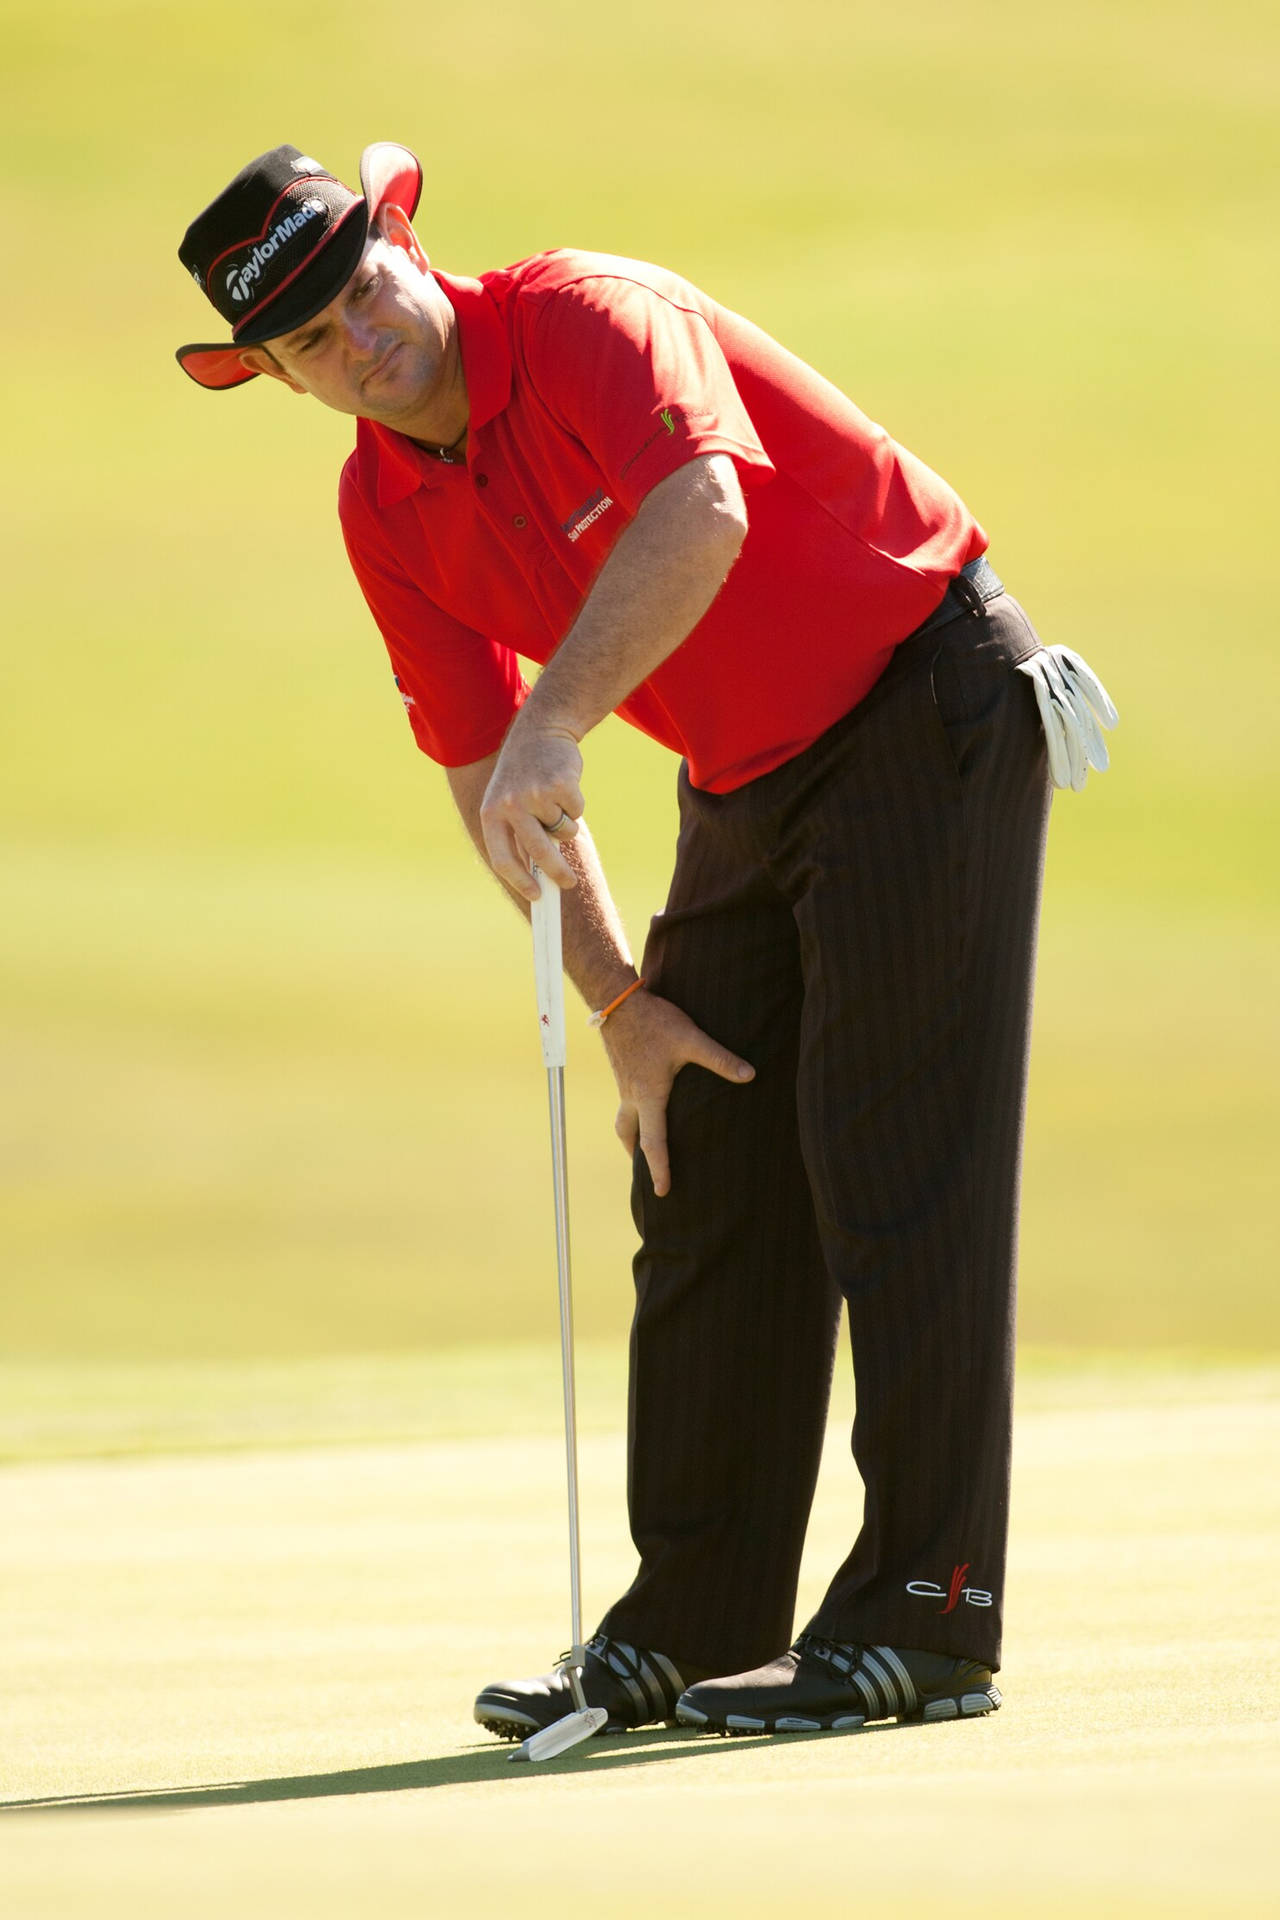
[860, 925]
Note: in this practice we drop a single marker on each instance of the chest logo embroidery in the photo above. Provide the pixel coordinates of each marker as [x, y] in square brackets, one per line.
[586, 515]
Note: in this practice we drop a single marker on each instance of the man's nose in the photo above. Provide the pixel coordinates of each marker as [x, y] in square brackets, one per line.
[362, 334]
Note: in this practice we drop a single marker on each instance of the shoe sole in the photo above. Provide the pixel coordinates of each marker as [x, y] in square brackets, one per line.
[509, 1725]
[506, 1728]
[960, 1706]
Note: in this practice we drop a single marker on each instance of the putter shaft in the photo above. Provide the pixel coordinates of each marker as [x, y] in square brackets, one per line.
[555, 1093]
[549, 979]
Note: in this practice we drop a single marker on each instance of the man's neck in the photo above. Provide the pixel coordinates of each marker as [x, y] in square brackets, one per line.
[453, 455]
[441, 426]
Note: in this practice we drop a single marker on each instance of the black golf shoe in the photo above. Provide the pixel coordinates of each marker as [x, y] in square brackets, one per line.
[825, 1684]
[634, 1686]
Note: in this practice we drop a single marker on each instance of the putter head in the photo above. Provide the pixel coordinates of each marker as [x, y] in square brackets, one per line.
[562, 1734]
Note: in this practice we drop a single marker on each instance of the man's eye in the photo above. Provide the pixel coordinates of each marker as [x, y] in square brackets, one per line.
[366, 287]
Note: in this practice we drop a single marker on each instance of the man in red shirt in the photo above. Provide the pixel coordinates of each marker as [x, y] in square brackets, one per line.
[586, 461]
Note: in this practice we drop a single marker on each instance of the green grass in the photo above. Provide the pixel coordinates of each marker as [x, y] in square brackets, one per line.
[99, 1409]
[243, 1683]
[264, 1107]
[270, 1089]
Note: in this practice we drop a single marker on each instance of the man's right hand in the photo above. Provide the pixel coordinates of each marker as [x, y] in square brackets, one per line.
[648, 1040]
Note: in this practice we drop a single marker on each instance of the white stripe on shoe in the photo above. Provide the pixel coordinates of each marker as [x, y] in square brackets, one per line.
[617, 1663]
[868, 1692]
[905, 1683]
[882, 1678]
[653, 1686]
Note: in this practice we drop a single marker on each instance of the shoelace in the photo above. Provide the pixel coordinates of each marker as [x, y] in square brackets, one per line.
[843, 1655]
[602, 1647]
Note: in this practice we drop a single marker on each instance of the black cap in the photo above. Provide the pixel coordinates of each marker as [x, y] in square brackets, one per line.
[280, 243]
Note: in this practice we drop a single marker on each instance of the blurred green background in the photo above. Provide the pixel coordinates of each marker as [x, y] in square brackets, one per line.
[272, 1091]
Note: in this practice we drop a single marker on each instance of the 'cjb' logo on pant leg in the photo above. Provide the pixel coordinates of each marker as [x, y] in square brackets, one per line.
[952, 1594]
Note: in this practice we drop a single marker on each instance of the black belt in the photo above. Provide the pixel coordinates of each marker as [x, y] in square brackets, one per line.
[971, 588]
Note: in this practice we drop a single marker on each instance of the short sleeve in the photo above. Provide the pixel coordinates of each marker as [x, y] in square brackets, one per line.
[639, 377]
[460, 690]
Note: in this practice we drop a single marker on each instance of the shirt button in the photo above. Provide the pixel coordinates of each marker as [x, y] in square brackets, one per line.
[482, 479]
[519, 520]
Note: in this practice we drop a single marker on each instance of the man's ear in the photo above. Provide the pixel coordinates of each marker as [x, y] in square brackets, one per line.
[393, 225]
[258, 360]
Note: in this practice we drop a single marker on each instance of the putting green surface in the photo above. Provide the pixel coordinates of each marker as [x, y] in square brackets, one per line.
[242, 1683]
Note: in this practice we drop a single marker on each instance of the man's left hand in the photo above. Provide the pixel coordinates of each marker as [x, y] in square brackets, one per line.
[649, 1041]
[533, 802]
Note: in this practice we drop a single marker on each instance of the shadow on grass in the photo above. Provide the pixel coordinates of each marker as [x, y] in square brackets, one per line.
[470, 1767]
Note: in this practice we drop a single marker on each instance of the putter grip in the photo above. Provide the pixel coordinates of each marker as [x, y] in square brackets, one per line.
[548, 972]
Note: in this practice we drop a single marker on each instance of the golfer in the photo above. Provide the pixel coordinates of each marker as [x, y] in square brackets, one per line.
[821, 1061]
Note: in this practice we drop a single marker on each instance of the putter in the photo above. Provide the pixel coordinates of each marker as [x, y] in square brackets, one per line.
[549, 980]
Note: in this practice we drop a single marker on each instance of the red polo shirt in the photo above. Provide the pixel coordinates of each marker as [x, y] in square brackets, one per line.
[590, 379]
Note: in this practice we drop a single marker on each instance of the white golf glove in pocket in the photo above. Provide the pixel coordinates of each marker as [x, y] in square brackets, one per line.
[1074, 707]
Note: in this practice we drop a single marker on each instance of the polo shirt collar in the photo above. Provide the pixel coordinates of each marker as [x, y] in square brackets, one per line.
[486, 356]
[398, 466]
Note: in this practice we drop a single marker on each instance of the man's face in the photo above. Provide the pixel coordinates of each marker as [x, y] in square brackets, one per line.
[384, 349]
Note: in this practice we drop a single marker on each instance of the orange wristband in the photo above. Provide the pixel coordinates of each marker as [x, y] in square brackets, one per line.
[598, 1018]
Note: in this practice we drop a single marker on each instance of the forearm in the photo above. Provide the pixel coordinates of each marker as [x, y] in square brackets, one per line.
[597, 955]
[660, 578]
[662, 575]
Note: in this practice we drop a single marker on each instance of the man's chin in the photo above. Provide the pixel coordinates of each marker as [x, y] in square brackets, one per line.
[393, 395]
